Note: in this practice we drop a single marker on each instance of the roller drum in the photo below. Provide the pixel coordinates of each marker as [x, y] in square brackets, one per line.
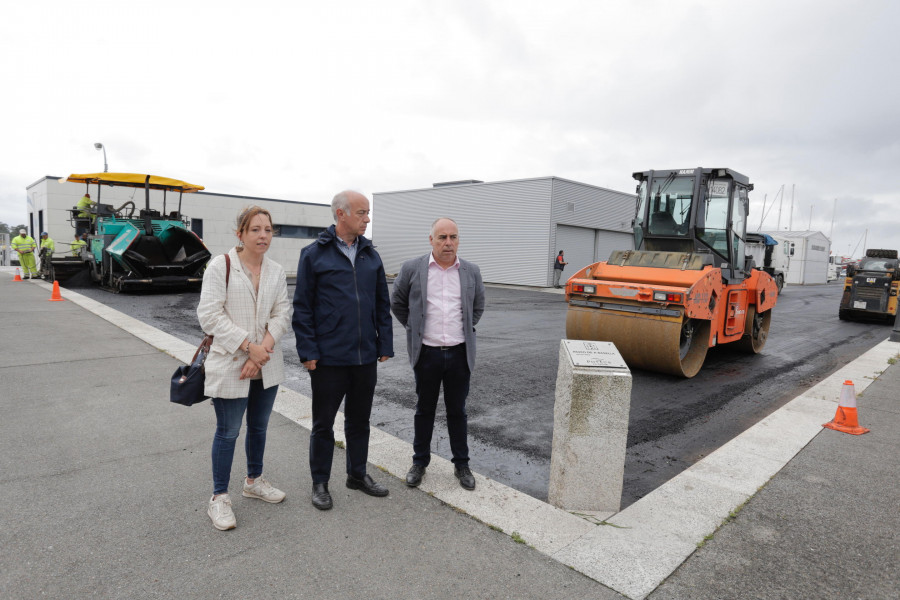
[667, 344]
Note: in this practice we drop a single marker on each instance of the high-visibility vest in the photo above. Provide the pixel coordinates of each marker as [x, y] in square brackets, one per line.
[23, 244]
[85, 204]
[48, 243]
[77, 245]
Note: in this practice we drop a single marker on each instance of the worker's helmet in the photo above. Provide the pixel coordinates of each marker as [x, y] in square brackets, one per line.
[86, 195]
[43, 233]
[23, 232]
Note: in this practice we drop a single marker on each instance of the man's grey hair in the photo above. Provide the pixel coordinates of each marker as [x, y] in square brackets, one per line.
[443, 219]
[342, 201]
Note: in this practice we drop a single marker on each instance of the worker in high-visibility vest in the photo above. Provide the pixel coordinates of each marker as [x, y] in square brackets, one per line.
[48, 246]
[77, 245]
[84, 206]
[24, 245]
[47, 242]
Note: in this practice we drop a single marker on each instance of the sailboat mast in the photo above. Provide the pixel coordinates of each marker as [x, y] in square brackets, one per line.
[833, 210]
[791, 216]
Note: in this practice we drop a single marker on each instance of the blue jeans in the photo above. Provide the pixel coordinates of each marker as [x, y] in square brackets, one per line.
[229, 416]
[449, 368]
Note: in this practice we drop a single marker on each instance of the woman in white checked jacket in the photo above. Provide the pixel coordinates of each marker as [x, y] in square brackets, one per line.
[245, 364]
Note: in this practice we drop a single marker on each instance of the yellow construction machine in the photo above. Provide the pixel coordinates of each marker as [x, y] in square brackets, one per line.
[688, 285]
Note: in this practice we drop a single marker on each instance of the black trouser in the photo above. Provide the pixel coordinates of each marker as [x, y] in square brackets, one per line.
[436, 366]
[330, 385]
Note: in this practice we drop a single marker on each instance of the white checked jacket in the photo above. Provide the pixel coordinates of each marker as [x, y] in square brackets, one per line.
[240, 315]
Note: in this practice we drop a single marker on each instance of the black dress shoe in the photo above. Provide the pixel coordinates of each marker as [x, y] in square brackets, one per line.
[466, 479]
[366, 485]
[321, 499]
[415, 475]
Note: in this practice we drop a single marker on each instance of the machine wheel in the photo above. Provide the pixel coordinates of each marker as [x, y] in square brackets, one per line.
[779, 282]
[843, 314]
[756, 331]
[881, 253]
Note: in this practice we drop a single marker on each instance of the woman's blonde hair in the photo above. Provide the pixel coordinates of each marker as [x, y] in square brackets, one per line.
[244, 218]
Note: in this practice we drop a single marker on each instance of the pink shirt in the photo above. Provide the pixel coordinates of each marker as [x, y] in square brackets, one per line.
[443, 307]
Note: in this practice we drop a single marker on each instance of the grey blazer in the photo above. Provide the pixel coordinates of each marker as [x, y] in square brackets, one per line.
[408, 303]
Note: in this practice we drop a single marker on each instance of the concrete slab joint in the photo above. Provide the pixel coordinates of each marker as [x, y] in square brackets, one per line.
[590, 430]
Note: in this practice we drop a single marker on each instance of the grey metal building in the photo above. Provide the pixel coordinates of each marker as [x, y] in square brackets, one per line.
[512, 229]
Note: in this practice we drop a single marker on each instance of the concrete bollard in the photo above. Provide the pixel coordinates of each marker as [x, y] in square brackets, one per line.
[590, 427]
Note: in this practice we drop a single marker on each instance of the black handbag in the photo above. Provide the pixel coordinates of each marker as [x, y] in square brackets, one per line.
[189, 380]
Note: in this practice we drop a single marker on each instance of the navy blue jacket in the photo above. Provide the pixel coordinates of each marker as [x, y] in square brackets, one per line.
[342, 312]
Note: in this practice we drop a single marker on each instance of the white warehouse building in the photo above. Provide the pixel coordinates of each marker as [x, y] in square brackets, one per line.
[210, 216]
[513, 230]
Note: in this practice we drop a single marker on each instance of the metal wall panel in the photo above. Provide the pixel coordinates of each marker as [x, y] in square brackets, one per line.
[578, 245]
[503, 226]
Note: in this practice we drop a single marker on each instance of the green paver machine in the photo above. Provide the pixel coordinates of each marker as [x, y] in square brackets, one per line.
[150, 250]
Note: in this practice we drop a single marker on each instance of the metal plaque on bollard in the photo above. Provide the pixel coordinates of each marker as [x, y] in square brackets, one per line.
[594, 354]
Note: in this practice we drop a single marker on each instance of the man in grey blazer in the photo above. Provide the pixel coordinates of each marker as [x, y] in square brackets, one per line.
[439, 299]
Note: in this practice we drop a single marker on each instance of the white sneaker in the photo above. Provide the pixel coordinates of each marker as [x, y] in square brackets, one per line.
[263, 490]
[220, 512]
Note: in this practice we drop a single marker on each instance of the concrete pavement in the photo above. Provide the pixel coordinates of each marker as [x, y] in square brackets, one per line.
[106, 486]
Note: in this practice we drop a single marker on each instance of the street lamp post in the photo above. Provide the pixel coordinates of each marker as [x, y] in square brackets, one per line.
[99, 146]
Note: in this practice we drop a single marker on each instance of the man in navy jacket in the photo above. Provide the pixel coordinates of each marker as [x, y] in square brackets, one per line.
[342, 321]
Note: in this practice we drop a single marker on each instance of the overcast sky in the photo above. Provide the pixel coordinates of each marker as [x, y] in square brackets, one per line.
[298, 100]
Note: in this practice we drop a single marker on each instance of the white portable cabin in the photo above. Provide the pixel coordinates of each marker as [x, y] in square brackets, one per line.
[211, 216]
[513, 230]
[809, 261]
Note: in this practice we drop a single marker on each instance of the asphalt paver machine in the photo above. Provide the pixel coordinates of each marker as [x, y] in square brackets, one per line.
[138, 250]
[688, 285]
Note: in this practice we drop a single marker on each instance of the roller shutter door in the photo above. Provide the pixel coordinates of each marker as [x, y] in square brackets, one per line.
[578, 245]
[608, 241]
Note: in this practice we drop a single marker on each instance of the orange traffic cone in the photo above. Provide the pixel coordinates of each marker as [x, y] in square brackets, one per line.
[55, 296]
[17, 277]
[845, 418]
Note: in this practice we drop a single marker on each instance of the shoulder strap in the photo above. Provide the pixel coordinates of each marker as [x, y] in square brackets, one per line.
[227, 269]
[206, 344]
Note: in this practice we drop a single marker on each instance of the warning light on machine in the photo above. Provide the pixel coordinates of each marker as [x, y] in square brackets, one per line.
[666, 297]
[580, 288]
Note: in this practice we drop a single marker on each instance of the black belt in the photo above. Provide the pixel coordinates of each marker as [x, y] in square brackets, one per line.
[445, 347]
